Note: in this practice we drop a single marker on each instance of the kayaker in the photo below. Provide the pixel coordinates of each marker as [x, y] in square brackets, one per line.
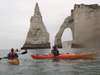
[55, 51]
[12, 55]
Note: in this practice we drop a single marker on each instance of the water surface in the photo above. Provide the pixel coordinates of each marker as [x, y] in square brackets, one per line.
[29, 66]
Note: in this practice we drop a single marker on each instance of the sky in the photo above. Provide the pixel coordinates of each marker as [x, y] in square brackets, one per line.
[15, 19]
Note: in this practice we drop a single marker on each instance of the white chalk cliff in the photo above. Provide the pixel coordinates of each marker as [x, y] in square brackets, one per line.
[85, 24]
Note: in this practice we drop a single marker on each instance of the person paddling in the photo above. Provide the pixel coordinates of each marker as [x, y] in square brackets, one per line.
[12, 55]
[55, 51]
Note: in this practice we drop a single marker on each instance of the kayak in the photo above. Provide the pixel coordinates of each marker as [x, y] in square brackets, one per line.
[63, 56]
[14, 62]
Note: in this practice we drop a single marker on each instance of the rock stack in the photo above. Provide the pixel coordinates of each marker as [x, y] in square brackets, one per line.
[37, 37]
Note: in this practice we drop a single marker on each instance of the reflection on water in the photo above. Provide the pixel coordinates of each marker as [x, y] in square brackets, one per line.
[29, 66]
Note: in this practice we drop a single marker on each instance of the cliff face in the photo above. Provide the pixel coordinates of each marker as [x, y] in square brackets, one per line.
[85, 26]
[37, 37]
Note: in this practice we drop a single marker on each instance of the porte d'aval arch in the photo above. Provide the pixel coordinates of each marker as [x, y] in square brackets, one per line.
[85, 25]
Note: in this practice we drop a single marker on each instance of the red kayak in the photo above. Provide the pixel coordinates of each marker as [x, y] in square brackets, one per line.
[63, 56]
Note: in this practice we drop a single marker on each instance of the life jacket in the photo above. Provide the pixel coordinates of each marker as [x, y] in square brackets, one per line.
[12, 55]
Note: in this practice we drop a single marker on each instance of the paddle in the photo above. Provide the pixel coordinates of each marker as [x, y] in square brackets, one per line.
[4, 58]
[24, 52]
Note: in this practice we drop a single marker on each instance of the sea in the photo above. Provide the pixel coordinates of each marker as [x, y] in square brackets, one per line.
[29, 66]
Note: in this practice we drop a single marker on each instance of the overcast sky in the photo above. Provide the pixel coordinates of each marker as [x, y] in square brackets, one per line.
[15, 18]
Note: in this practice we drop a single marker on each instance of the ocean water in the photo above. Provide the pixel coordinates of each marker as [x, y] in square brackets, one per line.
[28, 66]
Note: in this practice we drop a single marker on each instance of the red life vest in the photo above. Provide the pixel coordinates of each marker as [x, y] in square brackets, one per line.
[12, 55]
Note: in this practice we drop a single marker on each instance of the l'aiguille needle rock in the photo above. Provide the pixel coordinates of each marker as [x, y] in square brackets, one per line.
[37, 37]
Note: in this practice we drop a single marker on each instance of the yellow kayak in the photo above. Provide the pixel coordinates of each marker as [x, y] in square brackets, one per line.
[14, 62]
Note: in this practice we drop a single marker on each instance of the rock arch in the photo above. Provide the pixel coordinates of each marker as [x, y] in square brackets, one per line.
[85, 24]
[68, 22]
